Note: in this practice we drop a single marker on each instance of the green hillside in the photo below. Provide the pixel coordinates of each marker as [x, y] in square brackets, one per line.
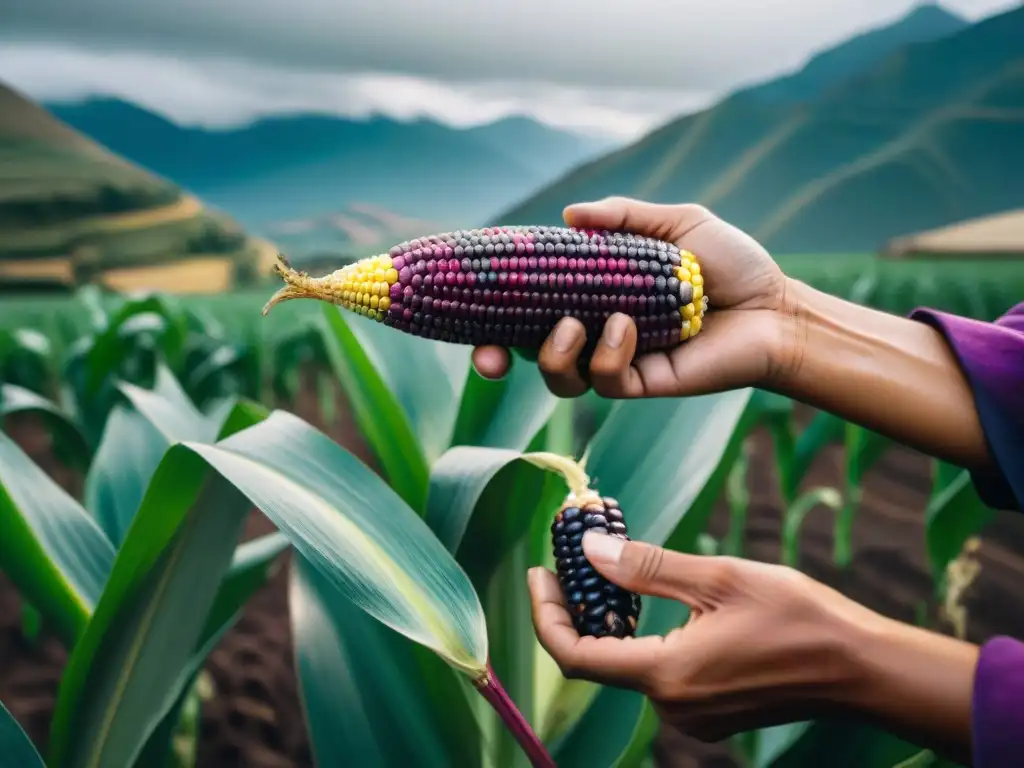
[72, 212]
[922, 138]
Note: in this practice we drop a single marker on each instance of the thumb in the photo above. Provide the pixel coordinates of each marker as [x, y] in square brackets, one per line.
[651, 570]
[657, 220]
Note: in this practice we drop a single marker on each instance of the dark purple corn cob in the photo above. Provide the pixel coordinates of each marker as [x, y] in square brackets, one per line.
[511, 285]
[597, 606]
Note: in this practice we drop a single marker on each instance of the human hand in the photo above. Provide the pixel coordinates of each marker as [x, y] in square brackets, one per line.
[735, 347]
[764, 645]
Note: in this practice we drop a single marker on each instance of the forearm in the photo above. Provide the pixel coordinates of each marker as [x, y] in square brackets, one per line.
[889, 374]
[915, 684]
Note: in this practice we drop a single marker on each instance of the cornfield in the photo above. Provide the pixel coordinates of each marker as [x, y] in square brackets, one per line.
[405, 577]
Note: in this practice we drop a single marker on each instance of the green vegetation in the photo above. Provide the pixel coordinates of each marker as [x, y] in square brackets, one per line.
[158, 400]
[70, 210]
[918, 137]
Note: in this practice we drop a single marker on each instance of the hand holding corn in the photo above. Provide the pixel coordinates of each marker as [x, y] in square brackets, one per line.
[739, 341]
[764, 645]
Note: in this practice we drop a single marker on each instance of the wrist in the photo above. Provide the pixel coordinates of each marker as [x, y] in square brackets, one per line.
[912, 682]
[787, 337]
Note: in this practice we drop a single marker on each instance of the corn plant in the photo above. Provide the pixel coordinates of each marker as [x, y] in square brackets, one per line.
[140, 581]
[407, 588]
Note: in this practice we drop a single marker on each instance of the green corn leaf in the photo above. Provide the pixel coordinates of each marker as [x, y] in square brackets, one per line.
[16, 749]
[301, 347]
[67, 434]
[666, 461]
[638, 751]
[356, 676]
[943, 475]
[513, 646]
[134, 658]
[863, 448]
[404, 363]
[25, 356]
[353, 527]
[251, 566]
[487, 498]
[129, 453]
[114, 343]
[794, 515]
[170, 409]
[769, 744]
[823, 431]
[954, 514]
[51, 548]
[838, 744]
[380, 416]
[483, 504]
[91, 299]
[131, 449]
[504, 414]
[204, 379]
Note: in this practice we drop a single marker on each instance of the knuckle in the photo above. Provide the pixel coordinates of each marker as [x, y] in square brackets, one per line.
[607, 367]
[617, 200]
[649, 563]
[695, 211]
[723, 576]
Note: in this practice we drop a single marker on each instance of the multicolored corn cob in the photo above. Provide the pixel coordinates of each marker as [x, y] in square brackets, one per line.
[597, 606]
[511, 285]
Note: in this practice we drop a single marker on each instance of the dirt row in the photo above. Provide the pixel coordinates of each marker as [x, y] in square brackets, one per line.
[255, 718]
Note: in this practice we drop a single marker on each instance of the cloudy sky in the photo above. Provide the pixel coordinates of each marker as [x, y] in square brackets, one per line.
[611, 66]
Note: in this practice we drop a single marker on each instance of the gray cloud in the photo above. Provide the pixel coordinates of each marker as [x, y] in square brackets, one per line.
[695, 45]
[608, 66]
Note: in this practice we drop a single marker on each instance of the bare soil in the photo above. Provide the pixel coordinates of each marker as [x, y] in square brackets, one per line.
[255, 718]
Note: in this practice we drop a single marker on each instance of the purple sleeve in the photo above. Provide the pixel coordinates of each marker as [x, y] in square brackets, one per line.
[992, 356]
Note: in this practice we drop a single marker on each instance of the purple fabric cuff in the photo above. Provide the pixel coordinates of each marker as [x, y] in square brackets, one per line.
[992, 357]
[998, 705]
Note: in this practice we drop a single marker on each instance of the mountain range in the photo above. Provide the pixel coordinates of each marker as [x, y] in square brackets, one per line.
[908, 127]
[280, 169]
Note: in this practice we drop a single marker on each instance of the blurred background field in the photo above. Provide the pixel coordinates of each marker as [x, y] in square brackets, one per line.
[884, 167]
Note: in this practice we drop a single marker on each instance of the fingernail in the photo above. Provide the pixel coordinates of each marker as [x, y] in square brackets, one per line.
[564, 338]
[614, 331]
[602, 548]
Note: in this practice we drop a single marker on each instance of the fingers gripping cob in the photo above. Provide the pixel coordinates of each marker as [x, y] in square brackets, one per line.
[597, 606]
[511, 285]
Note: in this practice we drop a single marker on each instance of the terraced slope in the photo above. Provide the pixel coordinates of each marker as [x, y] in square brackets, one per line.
[926, 136]
[73, 212]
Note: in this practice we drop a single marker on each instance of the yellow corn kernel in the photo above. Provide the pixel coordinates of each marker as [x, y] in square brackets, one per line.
[386, 263]
[384, 304]
[695, 325]
[683, 275]
[689, 310]
[379, 275]
[698, 293]
[391, 276]
[695, 268]
[697, 280]
[684, 332]
[374, 302]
